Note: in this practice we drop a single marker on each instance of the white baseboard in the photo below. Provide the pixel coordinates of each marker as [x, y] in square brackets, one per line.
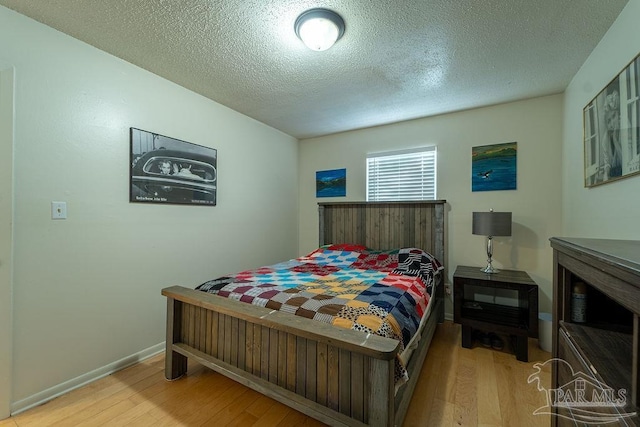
[67, 386]
[448, 316]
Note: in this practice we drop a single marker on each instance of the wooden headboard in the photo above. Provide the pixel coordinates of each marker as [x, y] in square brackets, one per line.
[385, 225]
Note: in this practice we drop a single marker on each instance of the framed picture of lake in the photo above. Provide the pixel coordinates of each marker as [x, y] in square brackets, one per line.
[331, 183]
[494, 167]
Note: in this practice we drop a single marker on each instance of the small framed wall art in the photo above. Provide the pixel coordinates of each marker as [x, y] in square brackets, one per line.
[494, 167]
[331, 183]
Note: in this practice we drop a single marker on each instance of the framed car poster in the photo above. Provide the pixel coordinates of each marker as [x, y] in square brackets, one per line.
[170, 171]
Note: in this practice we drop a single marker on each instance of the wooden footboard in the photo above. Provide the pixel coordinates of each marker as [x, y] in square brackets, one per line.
[338, 376]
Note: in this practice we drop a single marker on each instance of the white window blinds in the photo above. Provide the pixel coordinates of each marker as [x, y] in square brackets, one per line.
[402, 175]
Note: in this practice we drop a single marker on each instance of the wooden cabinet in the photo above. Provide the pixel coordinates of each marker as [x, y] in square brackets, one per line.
[595, 373]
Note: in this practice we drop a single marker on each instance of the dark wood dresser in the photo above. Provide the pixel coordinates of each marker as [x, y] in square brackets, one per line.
[595, 376]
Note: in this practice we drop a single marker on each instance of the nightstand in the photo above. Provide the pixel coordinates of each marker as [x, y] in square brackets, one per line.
[476, 306]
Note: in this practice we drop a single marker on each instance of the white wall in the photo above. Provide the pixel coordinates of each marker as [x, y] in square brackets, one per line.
[6, 227]
[87, 289]
[536, 125]
[610, 210]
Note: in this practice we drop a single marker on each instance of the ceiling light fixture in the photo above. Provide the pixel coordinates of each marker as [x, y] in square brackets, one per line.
[319, 28]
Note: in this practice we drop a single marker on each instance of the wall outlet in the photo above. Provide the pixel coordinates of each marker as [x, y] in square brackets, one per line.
[58, 210]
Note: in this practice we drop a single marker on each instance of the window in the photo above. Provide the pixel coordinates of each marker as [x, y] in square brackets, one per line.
[402, 175]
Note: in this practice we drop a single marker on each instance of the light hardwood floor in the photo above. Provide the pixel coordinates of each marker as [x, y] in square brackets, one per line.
[457, 387]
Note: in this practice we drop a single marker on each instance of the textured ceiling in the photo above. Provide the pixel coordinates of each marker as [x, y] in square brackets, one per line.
[398, 60]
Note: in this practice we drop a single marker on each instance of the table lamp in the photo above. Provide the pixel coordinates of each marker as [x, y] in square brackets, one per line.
[491, 224]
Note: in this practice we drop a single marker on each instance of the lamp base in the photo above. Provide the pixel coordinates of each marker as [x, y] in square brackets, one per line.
[490, 270]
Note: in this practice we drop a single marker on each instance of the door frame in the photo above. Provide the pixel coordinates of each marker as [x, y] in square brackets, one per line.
[7, 126]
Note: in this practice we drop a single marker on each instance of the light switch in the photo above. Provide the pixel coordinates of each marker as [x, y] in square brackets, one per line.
[58, 210]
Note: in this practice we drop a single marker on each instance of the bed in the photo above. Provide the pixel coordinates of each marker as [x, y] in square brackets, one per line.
[339, 376]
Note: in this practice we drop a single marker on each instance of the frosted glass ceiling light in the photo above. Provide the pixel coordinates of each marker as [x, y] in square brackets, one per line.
[319, 29]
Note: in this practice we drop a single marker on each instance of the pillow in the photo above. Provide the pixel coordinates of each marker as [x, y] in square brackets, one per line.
[350, 247]
[416, 262]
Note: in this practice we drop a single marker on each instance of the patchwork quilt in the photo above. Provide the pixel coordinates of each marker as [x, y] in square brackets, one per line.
[349, 286]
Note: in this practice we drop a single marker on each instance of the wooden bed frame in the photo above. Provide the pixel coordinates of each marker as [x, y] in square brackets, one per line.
[338, 376]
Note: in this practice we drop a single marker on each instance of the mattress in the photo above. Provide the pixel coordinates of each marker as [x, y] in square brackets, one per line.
[387, 293]
[405, 355]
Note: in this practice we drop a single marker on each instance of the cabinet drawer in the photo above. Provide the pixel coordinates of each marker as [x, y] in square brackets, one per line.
[577, 379]
[574, 361]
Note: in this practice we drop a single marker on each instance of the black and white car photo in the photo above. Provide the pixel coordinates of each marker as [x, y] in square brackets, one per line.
[166, 170]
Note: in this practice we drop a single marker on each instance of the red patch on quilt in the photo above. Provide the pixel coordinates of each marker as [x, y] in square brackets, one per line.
[347, 247]
[376, 262]
[320, 270]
